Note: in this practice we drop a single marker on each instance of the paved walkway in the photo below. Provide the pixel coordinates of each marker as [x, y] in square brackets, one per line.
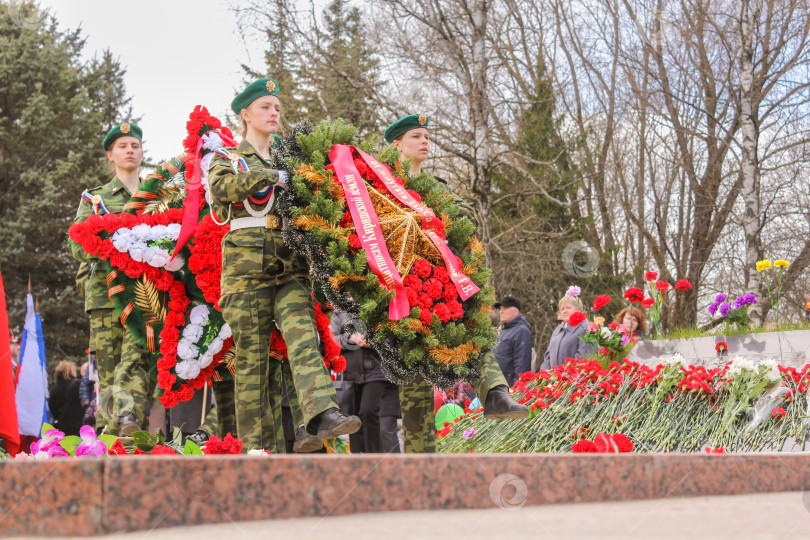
[774, 515]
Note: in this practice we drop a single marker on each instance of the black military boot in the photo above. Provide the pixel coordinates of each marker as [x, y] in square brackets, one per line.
[306, 443]
[500, 405]
[332, 423]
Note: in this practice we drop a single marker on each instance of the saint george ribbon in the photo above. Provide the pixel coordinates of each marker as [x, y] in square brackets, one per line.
[369, 230]
[464, 285]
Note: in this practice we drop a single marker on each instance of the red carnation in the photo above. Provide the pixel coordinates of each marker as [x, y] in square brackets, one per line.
[576, 318]
[450, 293]
[622, 442]
[422, 268]
[601, 301]
[413, 297]
[604, 444]
[662, 286]
[778, 412]
[441, 274]
[614, 325]
[434, 288]
[354, 241]
[683, 285]
[442, 312]
[651, 276]
[162, 450]
[647, 303]
[456, 309]
[339, 365]
[634, 294]
[228, 445]
[584, 447]
[346, 220]
[425, 316]
[415, 195]
[412, 282]
[718, 450]
[721, 346]
[117, 449]
[425, 301]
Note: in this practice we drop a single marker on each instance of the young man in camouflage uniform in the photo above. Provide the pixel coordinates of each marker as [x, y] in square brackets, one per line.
[123, 367]
[410, 135]
[265, 281]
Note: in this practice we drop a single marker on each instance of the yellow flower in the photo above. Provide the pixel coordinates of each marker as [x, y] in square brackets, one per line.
[763, 265]
[781, 262]
[601, 320]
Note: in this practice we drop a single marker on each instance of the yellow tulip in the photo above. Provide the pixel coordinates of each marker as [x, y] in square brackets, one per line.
[763, 265]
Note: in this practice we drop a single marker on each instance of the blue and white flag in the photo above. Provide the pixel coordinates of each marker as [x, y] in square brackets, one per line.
[32, 375]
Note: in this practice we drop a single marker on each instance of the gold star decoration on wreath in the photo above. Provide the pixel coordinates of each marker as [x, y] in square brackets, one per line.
[402, 230]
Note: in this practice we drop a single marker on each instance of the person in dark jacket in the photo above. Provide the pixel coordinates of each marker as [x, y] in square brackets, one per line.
[66, 407]
[565, 342]
[514, 348]
[369, 395]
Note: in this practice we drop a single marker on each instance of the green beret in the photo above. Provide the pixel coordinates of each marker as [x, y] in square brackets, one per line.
[255, 90]
[122, 130]
[406, 123]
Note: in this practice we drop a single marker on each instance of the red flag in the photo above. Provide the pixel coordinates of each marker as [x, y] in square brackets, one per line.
[8, 406]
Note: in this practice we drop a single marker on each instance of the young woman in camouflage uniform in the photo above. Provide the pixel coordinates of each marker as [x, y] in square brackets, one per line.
[123, 366]
[264, 281]
[410, 136]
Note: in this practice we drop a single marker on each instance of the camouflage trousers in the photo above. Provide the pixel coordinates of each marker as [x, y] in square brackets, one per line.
[416, 399]
[123, 372]
[221, 417]
[250, 315]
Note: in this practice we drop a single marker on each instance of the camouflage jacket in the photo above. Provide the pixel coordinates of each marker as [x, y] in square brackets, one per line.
[113, 196]
[254, 257]
[230, 188]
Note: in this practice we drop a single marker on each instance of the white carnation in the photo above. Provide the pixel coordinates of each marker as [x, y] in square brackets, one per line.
[187, 369]
[199, 314]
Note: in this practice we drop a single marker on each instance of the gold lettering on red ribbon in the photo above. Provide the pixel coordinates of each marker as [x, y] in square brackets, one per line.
[368, 229]
[464, 285]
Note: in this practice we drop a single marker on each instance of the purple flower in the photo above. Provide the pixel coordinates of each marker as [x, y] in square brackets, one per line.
[469, 433]
[573, 290]
[751, 298]
[713, 309]
[90, 446]
[725, 307]
[625, 339]
[720, 298]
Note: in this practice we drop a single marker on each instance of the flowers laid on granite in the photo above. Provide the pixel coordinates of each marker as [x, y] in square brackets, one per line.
[604, 443]
[228, 445]
[673, 407]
